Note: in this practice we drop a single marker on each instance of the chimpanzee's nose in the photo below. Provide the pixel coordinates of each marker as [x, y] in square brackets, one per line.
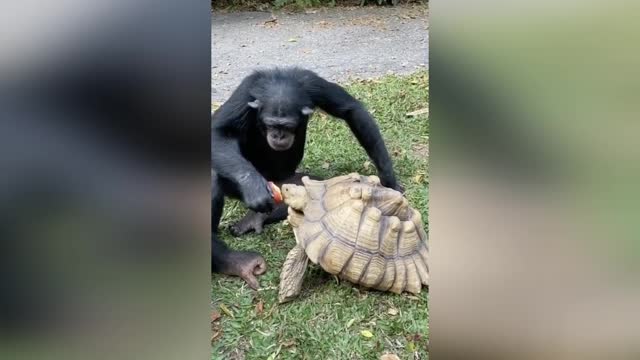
[277, 135]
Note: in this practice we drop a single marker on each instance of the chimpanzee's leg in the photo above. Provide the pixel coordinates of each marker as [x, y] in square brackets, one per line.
[244, 264]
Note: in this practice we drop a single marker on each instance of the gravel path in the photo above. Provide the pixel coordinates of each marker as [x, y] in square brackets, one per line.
[337, 43]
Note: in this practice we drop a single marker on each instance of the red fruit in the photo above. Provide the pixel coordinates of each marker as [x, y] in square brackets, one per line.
[277, 194]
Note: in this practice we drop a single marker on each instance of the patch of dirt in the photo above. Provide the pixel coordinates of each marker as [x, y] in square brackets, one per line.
[324, 24]
[324, 38]
[420, 151]
[370, 21]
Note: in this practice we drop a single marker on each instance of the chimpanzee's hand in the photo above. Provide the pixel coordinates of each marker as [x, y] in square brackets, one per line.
[247, 265]
[257, 196]
[391, 182]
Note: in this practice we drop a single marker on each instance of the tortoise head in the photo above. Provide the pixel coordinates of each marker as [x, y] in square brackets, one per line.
[295, 196]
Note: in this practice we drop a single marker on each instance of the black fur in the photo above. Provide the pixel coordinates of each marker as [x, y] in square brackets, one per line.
[242, 159]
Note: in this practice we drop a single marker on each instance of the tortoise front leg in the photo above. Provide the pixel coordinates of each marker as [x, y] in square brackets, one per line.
[292, 274]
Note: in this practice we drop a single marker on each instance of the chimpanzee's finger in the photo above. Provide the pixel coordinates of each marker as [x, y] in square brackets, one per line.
[251, 280]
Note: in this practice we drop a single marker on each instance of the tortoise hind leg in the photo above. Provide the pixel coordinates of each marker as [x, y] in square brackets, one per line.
[292, 274]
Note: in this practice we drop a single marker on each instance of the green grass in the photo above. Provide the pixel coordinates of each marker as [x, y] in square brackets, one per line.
[326, 321]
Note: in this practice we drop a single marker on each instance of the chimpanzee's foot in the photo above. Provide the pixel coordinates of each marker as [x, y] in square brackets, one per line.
[252, 221]
[247, 265]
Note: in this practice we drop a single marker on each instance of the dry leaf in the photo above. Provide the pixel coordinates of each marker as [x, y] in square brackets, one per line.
[325, 165]
[411, 346]
[367, 164]
[366, 333]
[216, 335]
[392, 311]
[215, 316]
[411, 297]
[389, 357]
[226, 310]
[259, 307]
[419, 112]
[293, 40]
[418, 178]
[350, 322]
[288, 343]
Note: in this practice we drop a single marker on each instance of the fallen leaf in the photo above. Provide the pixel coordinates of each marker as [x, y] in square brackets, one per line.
[389, 357]
[216, 335]
[418, 178]
[226, 310]
[392, 311]
[288, 343]
[350, 322]
[259, 307]
[367, 164]
[366, 333]
[411, 297]
[411, 346]
[215, 316]
[325, 165]
[293, 40]
[418, 112]
[273, 20]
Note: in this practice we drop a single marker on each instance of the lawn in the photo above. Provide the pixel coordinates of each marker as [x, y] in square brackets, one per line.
[328, 320]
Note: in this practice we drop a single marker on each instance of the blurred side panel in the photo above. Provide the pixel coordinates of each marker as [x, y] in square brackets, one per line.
[534, 217]
[105, 185]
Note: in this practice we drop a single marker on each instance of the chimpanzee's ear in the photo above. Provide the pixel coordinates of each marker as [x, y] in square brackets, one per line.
[255, 104]
[306, 111]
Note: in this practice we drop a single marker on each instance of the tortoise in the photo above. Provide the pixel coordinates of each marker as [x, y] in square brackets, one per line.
[357, 229]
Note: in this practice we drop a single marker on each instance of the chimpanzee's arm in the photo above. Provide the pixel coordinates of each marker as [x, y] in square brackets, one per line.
[337, 102]
[228, 123]
[227, 159]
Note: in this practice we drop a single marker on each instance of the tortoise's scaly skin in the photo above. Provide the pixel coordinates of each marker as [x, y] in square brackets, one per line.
[355, 228]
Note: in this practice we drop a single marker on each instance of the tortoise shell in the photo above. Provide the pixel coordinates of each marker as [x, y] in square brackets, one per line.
[361, 231]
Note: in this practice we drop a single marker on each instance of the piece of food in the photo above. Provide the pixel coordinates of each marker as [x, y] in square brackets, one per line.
[275, 191]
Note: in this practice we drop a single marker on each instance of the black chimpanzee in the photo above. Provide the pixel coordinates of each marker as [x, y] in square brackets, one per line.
[258, 135]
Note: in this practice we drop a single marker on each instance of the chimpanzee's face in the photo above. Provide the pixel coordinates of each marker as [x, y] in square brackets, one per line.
[279, 124]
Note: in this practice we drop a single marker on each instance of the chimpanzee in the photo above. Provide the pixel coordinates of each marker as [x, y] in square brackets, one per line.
[258, 135]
